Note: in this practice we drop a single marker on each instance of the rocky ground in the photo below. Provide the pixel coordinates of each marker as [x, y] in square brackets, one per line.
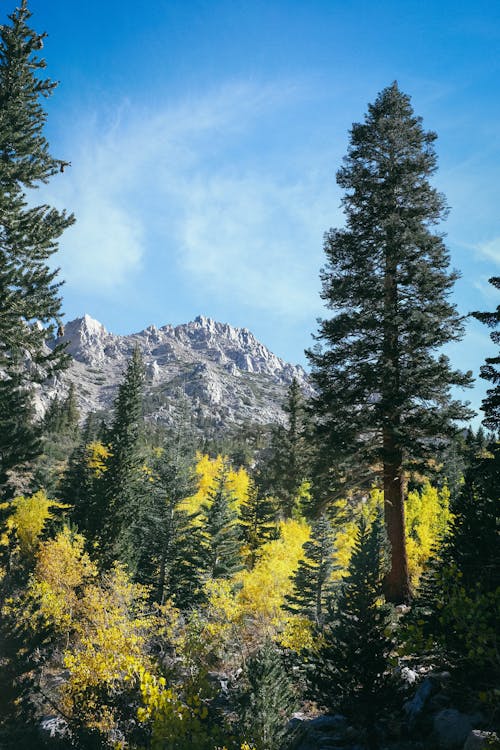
[429, 722]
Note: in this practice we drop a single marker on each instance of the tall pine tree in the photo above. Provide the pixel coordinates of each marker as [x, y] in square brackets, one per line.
[491, 369]
[123, 481]
[383, 395]
[258, 521]
[29, 292]
[170, 558]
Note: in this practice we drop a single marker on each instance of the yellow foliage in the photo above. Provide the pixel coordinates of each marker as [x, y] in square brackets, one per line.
[62, 568]
[97, 455]
[427, 518]
[238, 484]
[264, 588]
[115, 625]
[207, 470]
[27, 519]
[344, 542]
[297, 633]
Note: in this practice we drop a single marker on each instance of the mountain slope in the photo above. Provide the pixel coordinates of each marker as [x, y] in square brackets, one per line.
[220, 374]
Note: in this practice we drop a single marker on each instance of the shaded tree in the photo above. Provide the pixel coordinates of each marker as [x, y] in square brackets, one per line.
[258, 521]
[288, 465]
[349, 670]
[265, 699]
[312, 581]
[221, 532]
[170, 547]
[28, 237]
[490, 370]
[383, 401]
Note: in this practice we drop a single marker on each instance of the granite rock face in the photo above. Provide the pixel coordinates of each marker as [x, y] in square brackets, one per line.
[219, 375]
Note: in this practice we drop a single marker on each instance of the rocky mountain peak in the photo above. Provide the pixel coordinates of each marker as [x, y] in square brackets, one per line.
[225, 373]
[85, 338]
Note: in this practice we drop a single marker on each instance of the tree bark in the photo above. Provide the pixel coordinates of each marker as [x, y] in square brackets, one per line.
[396, 582]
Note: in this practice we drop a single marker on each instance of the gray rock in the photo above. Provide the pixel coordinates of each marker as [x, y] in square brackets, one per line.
[334, 723]
[409, 675]
[451, 728]
[323, 733]
[477, 740]
[414, 707]
[217, 374]
[53, 726]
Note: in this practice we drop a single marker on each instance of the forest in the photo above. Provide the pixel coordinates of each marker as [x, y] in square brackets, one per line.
[330, 582]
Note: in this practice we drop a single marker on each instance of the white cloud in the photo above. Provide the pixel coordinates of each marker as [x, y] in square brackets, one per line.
[252, 238]
[145, 181]
[491, 250]
[105, 247]
[487, 290]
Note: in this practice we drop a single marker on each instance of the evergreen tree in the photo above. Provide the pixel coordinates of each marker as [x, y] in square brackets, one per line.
[266, 699]
[123, 481]
[170, 547]
[312, 581]
[491, 371]
[383, 397]
[221, 532]
[28, 235]
[62, 415]
[289, 463]
[20, 437]
[258, 523]
[60, 437]
[81, 483]
[454, 619]
[349, 670]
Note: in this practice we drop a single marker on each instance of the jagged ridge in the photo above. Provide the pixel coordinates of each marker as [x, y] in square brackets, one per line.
[222, 374]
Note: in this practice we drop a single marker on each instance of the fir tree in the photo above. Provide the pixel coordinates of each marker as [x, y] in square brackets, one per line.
[28, 234]
[222, 535]
[383, 397]
[349, 670]
[123, 481]
[20, 436]
[266, 699]
[62, 415]
[491, 371]
[312, 581]
[60, 437]
[289, 463]
[454, 619]
[170, 546]
[81, 483]
[258, 523]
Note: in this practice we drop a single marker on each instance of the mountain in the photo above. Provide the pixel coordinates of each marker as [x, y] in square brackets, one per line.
[220, 375]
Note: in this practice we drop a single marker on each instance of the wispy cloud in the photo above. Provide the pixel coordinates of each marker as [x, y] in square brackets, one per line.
[171, 179]
[491, 250]
[253, 238]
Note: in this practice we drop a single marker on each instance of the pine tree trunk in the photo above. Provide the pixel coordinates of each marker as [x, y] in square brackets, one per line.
[396, 583]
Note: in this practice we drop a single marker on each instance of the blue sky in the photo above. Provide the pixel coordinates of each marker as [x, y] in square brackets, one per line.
[204, 137]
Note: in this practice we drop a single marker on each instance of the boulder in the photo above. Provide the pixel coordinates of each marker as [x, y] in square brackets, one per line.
[451, 728]
[413, 708]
